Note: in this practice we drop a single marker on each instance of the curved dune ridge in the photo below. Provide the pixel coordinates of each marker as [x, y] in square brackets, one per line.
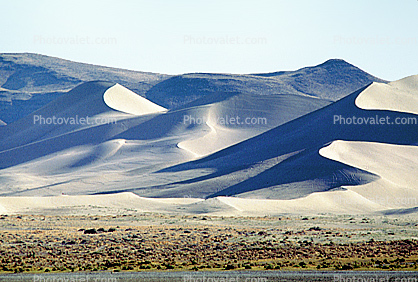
[217, 138]
[397, 164]
[226, 122]
[400, 96]
[124, 100]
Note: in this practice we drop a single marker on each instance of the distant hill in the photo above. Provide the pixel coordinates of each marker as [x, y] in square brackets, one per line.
[331, 80]
[30, 81]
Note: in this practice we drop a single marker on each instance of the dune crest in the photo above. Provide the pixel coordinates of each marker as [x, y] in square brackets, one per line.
[395, 163]
[124, 100]
[400, 95]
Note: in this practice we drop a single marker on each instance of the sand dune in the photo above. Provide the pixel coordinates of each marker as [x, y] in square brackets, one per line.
[396, 166]
[340, 202]
[37, 152]
[84, 101]
[241, 116]
[331, 202]
[299, 169]
[121, 99]
[296, 158]
[401, 95]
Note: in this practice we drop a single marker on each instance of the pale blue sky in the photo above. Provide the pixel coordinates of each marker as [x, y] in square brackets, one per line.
[174, 37]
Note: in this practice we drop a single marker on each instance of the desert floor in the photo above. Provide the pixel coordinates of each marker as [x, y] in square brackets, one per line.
[159, 242]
